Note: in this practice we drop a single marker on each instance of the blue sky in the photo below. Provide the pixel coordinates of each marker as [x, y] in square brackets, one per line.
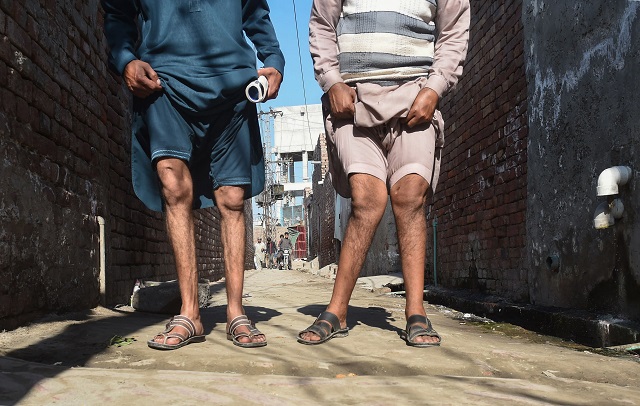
[291, 91]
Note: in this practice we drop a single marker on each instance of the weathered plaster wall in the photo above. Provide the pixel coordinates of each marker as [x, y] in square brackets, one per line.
[583, 97]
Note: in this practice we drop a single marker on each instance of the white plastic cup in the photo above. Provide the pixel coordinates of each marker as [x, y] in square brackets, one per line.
[257, 90]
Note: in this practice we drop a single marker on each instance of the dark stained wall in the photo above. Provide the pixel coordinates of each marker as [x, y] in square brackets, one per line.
[583, 100]
[64, 162]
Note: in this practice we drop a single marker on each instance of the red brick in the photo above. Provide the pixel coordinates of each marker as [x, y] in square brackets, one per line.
[492, 89]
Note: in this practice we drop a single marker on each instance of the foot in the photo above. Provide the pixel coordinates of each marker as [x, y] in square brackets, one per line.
[426, 339]
[180, 331]
[420, 333]
[312, 337]
[245, 334]
[418, 309]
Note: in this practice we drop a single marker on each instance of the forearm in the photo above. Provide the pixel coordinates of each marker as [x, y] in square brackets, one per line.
[259, 29]
[121, 31]
[323, 42]
[452, 25]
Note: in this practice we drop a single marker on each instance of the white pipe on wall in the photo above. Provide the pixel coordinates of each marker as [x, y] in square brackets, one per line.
[608, 185]
[103, 256]
[611, 178]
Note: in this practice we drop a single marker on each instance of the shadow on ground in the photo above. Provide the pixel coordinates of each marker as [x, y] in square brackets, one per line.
[88, 334]
[376, 317]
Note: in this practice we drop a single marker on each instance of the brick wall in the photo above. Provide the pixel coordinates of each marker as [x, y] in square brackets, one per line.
[480, 201]
[64, 161]
[321, 211]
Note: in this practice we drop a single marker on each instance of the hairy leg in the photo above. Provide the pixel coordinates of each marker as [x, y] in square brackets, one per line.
[230, 201]
[369, 200]
[408, 197]
[177, 190]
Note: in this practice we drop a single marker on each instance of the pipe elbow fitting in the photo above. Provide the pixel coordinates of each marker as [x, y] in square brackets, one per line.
[611, 178]
[602, 217]
[607, 213]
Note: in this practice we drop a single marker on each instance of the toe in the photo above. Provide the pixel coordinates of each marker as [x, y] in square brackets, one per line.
[309, 336]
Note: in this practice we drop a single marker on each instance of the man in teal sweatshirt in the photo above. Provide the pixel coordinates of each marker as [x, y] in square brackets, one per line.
[196, 140]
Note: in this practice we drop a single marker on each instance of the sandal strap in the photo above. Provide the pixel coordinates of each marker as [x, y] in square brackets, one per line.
[414, 330]
[416, 318]
[325, 324]
[177, 321]
[166, 336]
[321, 330]
[329, 317]
[181, 321]
[241, 321]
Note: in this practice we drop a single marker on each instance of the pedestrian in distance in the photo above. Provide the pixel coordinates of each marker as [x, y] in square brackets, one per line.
[258, 254]
[195, 138]
[383, 66]
[285, 244]
[271, 253]
[279, 250]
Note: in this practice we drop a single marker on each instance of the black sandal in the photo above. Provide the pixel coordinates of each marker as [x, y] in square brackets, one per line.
[413, 331]
[326, 326]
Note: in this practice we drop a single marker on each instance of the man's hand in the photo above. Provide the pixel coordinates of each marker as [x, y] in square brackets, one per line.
[422, 108]
[274, 78]
[342, 98]
[141, 79]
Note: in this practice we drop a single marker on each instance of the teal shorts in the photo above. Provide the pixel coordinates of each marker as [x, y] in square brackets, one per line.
[221, 147]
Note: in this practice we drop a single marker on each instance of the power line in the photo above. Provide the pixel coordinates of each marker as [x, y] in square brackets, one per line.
[304, 90]
[266, 198]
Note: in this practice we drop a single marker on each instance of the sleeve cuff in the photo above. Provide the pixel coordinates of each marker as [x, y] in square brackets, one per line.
[276, 62]
[438, 84]
[328, 79]
[123, 60]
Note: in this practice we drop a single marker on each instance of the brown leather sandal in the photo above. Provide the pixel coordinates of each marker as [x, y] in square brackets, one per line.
[240, 321]
[176, 321]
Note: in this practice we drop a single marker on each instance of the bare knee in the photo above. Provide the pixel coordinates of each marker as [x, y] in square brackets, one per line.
[368, 197]
[409, 193]
[177, 186]
[230, 200]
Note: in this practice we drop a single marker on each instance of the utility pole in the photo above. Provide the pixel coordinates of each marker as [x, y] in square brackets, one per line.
[267, 198]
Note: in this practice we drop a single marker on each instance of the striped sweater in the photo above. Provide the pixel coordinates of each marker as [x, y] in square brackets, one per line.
[389, 40]
[381, 40]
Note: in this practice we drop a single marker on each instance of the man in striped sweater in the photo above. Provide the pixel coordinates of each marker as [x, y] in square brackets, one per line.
[383, 66]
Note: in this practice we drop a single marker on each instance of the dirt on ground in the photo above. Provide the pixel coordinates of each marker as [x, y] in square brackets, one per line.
[479, 361]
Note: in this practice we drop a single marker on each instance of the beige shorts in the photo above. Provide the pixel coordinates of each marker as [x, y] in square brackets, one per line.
[388, 151]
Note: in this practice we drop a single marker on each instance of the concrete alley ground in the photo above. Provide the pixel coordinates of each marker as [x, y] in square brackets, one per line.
[67, 359]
